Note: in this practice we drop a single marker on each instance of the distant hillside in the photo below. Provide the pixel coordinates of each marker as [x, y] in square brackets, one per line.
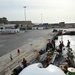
[3, 20]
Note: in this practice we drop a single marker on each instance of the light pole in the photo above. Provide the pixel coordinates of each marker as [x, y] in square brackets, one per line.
[41, 19]
[25, 18]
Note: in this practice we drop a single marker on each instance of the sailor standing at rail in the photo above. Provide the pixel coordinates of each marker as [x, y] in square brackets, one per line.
[68, 44]
[24, 62]
[60, 47]
[53, 43]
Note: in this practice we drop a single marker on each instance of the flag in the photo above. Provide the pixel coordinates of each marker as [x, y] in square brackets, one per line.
[63, 32]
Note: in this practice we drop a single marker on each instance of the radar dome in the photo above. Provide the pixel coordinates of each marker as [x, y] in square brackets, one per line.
[37, 69]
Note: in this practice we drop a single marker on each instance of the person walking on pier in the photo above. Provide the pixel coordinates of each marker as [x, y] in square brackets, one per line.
[18, 51]
[11, 57]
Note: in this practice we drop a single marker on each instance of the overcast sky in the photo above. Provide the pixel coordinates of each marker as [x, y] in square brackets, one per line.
[53, 11]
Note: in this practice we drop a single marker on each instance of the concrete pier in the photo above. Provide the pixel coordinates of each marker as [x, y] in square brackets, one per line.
[27, 50]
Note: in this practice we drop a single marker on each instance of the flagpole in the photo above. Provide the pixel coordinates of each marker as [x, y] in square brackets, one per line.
[62, 36]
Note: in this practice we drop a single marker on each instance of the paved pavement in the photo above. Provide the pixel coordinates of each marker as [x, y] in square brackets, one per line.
[27, 50]
[9, 42]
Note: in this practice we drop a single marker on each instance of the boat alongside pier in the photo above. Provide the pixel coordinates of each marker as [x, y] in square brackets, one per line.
[64, 61]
